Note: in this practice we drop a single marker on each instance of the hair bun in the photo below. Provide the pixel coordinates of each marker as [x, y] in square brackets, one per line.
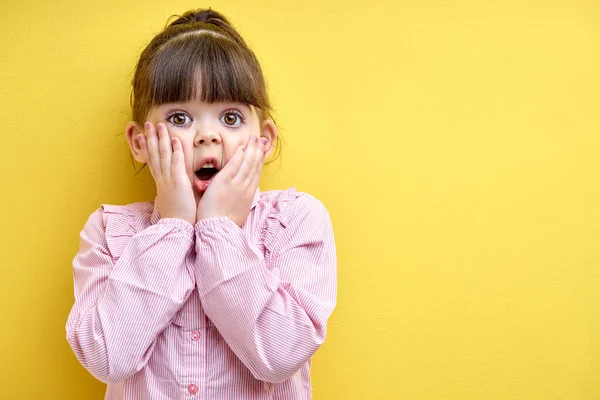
[201, 15]
[207, 16]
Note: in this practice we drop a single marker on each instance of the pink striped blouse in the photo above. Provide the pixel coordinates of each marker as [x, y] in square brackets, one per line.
[167, 310]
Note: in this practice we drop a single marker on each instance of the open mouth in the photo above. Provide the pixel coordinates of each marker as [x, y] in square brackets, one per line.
[205, 174]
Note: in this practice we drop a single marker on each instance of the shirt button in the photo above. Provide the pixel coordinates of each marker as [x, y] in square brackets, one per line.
[193, 389]
[195, 335]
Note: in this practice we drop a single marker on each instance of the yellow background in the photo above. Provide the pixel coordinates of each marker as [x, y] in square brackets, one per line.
[455, 143]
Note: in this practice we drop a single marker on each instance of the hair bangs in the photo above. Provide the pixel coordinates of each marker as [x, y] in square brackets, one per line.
[205, 66]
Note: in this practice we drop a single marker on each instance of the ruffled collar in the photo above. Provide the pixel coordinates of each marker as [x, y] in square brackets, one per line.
[156, 214]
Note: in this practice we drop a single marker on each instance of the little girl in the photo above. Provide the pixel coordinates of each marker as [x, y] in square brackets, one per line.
[215, 290]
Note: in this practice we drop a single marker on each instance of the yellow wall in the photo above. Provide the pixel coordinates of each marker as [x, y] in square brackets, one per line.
[455, 143]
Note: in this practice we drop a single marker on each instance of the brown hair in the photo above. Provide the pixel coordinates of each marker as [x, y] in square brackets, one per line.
[199, 51]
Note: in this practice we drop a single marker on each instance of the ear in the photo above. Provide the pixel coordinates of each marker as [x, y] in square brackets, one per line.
[270, 132]
[131, 132]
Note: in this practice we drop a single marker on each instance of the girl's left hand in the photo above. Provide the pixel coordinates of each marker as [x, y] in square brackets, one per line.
[232, 190]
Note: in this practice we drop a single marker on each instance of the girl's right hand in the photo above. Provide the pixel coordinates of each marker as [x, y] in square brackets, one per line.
[174, 193]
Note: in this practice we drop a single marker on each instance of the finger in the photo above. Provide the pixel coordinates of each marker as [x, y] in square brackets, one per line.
[177, 164]
[249, 160]
[165, 149]
[152, 142]
[231, 168]
[144, 151]
[259, 157]
[255, 179]
[143, 140]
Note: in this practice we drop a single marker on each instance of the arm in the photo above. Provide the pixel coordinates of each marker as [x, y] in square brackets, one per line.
[273, 314]
[120, 308]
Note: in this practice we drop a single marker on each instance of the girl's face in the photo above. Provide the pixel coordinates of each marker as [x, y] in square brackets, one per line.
[207, 131]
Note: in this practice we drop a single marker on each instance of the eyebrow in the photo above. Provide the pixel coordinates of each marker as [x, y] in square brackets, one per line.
[170, 107]
[245, 106]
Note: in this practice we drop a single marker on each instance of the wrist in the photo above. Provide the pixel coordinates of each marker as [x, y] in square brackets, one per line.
[213, 221]
[180, 223]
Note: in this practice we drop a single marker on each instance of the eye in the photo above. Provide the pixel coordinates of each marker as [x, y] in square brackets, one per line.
[179, 119]
[232, 119]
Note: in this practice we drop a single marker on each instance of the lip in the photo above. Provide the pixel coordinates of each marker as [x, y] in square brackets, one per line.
[208, 159]
[200, 185]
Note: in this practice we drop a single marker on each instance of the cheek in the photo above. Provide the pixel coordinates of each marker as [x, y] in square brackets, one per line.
[232, 145]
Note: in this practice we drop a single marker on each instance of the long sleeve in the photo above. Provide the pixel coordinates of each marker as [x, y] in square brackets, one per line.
[271, 310]
[122, 306]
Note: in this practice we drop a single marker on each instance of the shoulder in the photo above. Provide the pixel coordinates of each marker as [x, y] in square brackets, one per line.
[290, 202]
[128, 218]
[118, 220]
[294, 219]
[113, 224]
[137, 210]
[290, 205]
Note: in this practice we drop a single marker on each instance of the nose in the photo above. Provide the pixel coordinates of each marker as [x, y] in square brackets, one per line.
[206, 136]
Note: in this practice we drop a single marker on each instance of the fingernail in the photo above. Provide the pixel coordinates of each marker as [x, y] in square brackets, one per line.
[147, 126]
[255, 139]
[244, 148]
[263, 141]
